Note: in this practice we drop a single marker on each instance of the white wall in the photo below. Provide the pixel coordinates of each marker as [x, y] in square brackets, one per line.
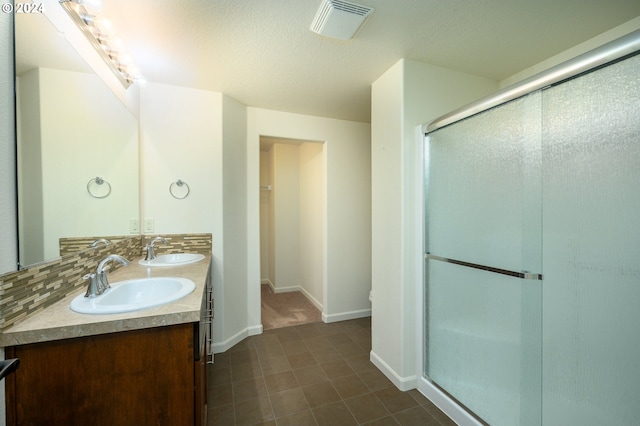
[199, 137]
[606, 37]
[312, 197]
[272, 219]
[292, 218]
[85, 131]
[29, 151]
[347, 170]
[239, 318]
[265, 215]
[407, 95]
[181, 138]
[285, 197]
[81, 44]
[8, 219]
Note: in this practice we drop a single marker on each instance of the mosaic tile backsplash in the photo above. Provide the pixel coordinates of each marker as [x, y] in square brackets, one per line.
[30, 290]
[76, 244]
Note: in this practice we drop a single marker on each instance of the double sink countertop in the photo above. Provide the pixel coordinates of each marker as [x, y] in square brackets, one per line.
[59, 322]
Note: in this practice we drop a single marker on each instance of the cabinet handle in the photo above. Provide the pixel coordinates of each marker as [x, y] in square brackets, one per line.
[209, 355]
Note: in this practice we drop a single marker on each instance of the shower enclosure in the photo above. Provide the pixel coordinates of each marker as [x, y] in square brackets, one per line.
[532, 252]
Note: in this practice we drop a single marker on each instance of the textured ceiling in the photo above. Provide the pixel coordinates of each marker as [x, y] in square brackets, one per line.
[262, 53]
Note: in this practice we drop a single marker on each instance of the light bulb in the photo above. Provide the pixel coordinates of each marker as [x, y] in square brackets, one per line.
[117, 44]
[103, 25]
[134, 72]
[94, 6]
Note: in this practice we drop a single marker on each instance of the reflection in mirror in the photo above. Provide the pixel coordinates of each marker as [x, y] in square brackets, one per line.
[70, 129]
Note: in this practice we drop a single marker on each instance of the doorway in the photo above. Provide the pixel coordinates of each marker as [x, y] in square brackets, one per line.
[292, 231]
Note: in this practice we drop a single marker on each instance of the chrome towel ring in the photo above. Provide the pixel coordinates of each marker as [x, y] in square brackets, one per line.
[95, 183]
[179, 189]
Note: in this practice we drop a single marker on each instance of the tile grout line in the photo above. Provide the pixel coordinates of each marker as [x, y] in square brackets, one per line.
[256, 347]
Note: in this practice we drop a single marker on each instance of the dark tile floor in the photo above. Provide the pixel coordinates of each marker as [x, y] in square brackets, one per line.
[312, 374]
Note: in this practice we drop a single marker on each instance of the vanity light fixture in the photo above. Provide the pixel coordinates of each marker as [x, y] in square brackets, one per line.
[86, 14]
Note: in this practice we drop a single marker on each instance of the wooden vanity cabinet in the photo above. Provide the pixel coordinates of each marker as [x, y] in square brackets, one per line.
[153, 376]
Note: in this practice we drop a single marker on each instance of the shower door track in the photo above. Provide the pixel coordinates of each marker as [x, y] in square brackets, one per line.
[525, 275]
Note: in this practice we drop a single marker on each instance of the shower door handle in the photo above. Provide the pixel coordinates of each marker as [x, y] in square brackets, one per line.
[525, 275]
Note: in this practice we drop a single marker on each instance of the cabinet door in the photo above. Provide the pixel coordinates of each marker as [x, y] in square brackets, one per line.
[142, 377]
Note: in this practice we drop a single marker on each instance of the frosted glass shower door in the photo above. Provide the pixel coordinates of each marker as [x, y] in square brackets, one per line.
[591, 345]
[484, 256]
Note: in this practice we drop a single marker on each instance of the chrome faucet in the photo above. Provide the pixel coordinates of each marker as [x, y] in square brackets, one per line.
[98, 282]
[99, 241]
[151, 254]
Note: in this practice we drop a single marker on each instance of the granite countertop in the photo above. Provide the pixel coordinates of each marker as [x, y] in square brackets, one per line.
[59, 322]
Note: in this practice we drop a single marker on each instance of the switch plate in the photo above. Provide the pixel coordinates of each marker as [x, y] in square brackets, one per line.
[134, 226]
[149, 225]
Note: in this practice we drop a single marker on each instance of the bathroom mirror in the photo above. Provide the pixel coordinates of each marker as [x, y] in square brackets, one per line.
[77, 146]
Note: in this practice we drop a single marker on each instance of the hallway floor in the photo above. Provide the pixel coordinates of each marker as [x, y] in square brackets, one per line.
[286, 309]
[311, 374]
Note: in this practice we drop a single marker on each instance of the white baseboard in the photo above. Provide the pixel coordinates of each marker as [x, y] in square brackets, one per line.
[308, 295]
[285, 289]
[344, 316]
[270, 284]
[312, 299]
[402, 383]
[219, 347]
[255, 330]
[446, 404]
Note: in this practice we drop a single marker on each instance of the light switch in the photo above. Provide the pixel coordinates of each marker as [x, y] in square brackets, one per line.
[134, 226]
[149, 226]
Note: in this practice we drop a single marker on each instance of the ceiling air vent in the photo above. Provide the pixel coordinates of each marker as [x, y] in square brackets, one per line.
[340, 19]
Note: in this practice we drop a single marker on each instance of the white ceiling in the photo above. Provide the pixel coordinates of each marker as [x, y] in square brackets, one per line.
[262, 53]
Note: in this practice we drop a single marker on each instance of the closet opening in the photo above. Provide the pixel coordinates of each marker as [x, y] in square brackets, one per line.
[292, 231]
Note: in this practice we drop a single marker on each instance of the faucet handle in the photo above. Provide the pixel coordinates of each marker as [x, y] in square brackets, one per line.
[103, 282]
[93, 289]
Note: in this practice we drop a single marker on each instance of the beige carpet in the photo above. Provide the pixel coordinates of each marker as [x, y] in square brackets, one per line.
[286, 309]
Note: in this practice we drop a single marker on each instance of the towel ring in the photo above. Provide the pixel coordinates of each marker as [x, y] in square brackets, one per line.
[98, 181]
[179, 184]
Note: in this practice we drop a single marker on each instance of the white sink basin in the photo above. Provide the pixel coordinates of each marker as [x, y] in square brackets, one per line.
[133, 295]
[175, 259]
